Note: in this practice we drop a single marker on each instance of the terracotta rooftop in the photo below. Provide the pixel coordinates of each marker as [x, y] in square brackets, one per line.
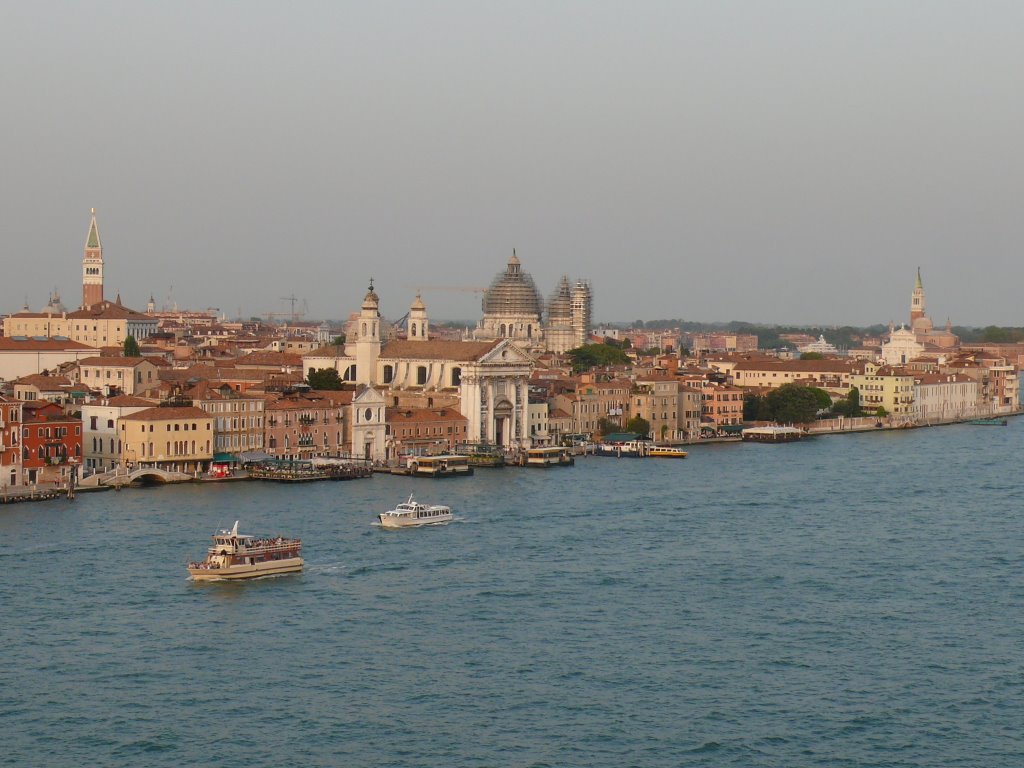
[462, 351]
[114, 362]
[420, 415]
[167, 414]
[127, 401]
[36, 344]
[44, 382]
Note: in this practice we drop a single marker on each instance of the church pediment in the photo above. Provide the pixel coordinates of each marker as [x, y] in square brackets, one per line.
[368, 397]
[506, 353]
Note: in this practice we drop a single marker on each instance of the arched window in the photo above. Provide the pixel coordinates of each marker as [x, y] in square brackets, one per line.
[389, 374]
[350, 373]
[502, 333]
[421, 375]
[529, 331]
[456, 377]
[364, 329]
[412, 329]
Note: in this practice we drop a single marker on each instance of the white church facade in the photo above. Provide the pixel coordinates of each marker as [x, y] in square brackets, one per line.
[489, 376]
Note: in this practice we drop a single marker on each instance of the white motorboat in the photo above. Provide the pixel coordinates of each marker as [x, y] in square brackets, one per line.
[410, 514]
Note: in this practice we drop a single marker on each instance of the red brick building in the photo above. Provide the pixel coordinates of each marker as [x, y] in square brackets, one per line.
[424, 430]
[51, 442]
[10, 442]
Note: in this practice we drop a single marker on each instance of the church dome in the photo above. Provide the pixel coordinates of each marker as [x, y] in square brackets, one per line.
[512, 292]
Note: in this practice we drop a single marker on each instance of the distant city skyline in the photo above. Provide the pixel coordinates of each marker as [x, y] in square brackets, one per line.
[791, 163]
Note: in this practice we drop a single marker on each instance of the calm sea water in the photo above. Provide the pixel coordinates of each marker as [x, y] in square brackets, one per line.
[846, 601]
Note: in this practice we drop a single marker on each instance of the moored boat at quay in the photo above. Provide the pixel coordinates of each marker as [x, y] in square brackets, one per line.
[445, 465]
[771, 434]
[482, 455]
[666, 452]
[545, 456]
[238, 556]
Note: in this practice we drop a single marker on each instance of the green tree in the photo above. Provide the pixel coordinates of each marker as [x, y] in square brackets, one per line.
[756, 408]
[324, 378]
[793, 403]
[339, 340]
[811, 356]
[606, 426]
[639, 425]
[590, 355]
[131, 346]
[849, 405]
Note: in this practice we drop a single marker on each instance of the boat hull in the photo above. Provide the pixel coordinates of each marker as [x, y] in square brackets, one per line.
[394, 525]
[254, 571]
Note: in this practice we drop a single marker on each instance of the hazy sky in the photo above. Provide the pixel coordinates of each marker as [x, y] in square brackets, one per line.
[788, 162]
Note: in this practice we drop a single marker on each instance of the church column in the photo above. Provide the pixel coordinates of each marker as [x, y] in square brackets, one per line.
[513, 420]
[488, 432]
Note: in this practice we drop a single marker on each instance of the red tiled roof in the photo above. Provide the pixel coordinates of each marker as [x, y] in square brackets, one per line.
[167, 414]
[114, 362]
[44, 382]
[32, 344]
[462, 351]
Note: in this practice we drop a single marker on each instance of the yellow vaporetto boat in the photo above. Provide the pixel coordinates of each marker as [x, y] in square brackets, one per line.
[236, 555]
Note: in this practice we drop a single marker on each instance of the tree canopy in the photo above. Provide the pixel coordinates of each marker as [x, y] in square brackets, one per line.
[639, 425]
[788, 404]
[849, 405]
[590, 355]
[131, 346]
[324, 378]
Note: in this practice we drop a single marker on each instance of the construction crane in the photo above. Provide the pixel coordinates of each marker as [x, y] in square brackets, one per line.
[457, 288]
[293, 314]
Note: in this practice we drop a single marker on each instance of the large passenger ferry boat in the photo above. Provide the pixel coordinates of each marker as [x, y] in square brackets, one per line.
[410, 514]
[236, 555]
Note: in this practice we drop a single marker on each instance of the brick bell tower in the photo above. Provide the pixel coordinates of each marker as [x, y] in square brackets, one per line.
[92, 266]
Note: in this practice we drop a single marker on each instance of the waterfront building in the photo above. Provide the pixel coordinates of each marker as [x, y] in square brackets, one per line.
[102, 444]
[51, 442]
[537, 417]
[721, 404]
[10, 442]
[369, 425]
[304, 425]
[886, 387]
[942, 397]
[424, 430]
[592, 401]
[176, 439]
[656, 399]
[237, 419]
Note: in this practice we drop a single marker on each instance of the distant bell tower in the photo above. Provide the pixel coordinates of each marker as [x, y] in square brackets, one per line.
[368, 338]
[92, 266]
[419, 323]
[917, 300]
